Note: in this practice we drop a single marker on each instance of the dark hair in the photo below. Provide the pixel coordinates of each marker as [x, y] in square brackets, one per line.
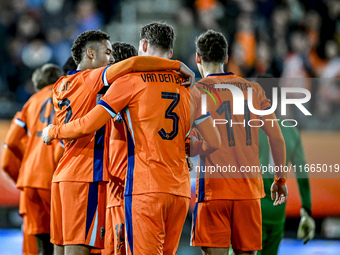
[46, 75]
[70, 65]
[121, 51]
[212, 46]
[159, 35]
[86, 40]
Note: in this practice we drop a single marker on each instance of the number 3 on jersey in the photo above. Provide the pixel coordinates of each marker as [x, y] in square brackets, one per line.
[169, 114]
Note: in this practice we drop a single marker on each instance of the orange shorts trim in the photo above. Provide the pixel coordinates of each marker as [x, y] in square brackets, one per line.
[219, 223]
[115, 231]
[37, 203]
[154, 222]
[78, 213]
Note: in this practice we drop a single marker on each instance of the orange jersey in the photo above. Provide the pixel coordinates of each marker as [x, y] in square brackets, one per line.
[239, 143]
[38, 163]
[157, 114]
[85, 159]
[10, 163]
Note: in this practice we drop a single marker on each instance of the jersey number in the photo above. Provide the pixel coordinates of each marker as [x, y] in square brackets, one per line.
[42, 116]
[226, 109]
[67, 103]
[169, 114]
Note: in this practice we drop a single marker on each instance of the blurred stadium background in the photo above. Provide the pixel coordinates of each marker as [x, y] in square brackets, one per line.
[267, 38]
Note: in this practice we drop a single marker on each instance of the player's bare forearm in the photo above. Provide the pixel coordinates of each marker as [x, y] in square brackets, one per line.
[276, 142]
[278, 149]
[189, 74]
[86, 125]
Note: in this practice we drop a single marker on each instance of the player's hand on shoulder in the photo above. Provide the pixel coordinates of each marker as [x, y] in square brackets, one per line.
[187, 73]
[46, 139]
[279, 193]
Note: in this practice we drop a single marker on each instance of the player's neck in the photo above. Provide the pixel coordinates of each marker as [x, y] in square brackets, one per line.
[157, 53]
[84, 65]
[212, 68]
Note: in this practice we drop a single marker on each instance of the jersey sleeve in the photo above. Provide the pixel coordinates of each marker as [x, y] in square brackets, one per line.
[10, 163]
[95, 79]
[138, 64]
[16, 132]
[83, 126]
[118, 95]
[98, 78]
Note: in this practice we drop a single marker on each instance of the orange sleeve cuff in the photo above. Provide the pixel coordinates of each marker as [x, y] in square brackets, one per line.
[52, 132]
[280, 181]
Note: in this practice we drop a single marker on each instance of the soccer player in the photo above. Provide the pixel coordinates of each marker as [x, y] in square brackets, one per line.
[156, 115]
[79, 183]
[11, 165]
[38, 161]
[227, 209]
[115, 219]
[273, 217]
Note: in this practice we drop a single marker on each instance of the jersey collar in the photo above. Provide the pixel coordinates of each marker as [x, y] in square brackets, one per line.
[220, 74]
[73, 72]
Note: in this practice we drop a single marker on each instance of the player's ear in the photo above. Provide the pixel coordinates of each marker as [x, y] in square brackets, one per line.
[170, 54]
[145, 45]
[90, 53]
[198, 58]
[226, 59]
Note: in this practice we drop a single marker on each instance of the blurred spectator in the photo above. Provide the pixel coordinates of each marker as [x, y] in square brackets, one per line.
[244, 45]
[208, 12]
[297, 73]
[36, 53]
[87, 16]
[328, 95]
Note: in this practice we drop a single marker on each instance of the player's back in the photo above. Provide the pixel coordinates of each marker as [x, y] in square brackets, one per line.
[38, 163]
[157, 116]
[75, 95]
[234, 161]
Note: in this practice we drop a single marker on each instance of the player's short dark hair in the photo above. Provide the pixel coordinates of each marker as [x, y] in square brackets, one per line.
[46, 75]
[69, 65]
[88, 39]
[212, 46]
[159, 35]
[121, 51]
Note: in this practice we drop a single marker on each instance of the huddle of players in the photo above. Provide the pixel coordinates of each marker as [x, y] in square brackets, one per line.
[144, 155]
